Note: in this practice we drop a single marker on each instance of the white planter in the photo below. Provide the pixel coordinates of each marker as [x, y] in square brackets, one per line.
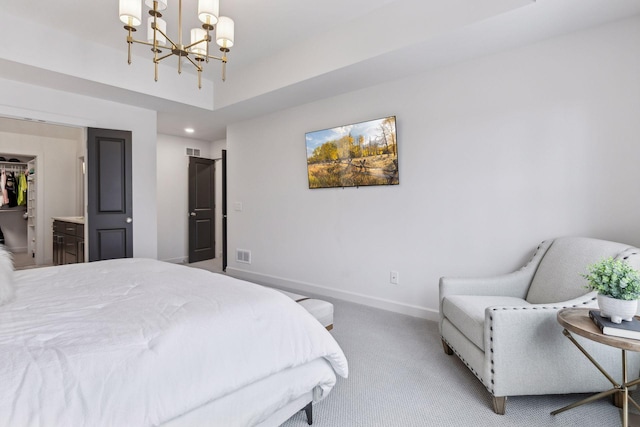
[617, 309]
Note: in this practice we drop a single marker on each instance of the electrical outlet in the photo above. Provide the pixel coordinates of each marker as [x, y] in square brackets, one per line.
[394, 278]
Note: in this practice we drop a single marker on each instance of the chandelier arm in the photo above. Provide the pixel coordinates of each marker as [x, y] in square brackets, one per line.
[198, 67]
[164, 57]
[173, 45]
[195, 43]
[146, 43]
[219, 58]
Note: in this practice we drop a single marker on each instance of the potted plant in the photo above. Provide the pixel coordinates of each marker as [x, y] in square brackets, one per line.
[618, 287]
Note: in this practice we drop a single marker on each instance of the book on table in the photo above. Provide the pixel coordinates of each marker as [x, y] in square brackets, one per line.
[626, 329]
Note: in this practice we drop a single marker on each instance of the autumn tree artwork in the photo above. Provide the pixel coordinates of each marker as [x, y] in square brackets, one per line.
[359, 154]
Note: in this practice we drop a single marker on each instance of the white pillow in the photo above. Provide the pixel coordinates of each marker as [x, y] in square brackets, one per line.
[6, 276]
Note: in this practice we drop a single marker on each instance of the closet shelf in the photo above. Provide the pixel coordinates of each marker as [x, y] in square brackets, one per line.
[13, 163]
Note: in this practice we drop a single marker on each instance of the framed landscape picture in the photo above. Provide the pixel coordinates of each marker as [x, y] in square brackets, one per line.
[354, 155]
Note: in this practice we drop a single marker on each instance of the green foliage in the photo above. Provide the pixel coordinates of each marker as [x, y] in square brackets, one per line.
[615, 279]
[352, 147]
[327, 152]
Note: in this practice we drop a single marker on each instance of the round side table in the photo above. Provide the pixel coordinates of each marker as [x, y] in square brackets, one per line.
[577, 321]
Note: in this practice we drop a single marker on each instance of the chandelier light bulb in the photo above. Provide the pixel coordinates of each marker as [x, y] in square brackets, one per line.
[131, 12]
[224, 32]
[208, 11]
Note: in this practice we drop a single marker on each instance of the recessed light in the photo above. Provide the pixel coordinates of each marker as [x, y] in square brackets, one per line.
[189, 130]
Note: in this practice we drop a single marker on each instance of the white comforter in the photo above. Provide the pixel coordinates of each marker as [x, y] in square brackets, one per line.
[137, 342]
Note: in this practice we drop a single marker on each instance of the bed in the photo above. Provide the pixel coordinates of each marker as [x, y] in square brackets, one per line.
[140, 342]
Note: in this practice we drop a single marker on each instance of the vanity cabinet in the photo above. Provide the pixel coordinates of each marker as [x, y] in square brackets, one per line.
[68, 242]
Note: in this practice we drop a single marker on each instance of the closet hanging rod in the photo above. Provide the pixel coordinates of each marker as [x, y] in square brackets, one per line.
[14, 167]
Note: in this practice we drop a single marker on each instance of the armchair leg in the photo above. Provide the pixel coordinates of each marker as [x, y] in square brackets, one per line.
[499, 404]
[447, 349]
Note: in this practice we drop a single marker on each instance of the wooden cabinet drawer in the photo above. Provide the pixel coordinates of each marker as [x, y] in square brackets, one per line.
[68, 242]
[66, 227]
[71, 245]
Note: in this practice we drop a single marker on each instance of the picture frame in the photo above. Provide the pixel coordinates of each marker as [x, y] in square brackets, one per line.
[354, 155]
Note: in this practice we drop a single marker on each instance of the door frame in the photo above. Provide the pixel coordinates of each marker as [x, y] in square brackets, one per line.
[194, 214]
[224, 210]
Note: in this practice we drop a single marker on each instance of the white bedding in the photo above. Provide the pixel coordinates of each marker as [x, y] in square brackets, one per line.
[138, 342]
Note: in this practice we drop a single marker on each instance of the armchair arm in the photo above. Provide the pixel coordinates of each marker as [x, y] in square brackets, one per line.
[514, 334]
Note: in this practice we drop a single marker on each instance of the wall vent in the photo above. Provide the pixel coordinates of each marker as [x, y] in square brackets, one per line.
[243, 255]
[193, 152]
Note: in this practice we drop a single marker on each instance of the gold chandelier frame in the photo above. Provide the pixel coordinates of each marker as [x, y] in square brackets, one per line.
[197, 52]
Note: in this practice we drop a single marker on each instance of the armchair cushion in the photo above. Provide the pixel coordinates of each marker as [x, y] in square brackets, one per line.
[467, 313]
[558, 277]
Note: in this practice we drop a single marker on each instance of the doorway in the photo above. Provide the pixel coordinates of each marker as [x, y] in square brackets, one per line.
[201, 209]
[53, 150]
[217, 169]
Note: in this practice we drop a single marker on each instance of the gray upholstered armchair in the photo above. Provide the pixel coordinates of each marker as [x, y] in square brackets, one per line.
[505, 330]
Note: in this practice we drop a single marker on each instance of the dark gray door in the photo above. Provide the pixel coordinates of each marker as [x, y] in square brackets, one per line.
[201, 209]
[109, 208]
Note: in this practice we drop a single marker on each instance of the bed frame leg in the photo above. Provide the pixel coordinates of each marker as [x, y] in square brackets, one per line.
[309, 411]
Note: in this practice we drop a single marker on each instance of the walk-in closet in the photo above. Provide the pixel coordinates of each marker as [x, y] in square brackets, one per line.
[41, 178]
[18, 207]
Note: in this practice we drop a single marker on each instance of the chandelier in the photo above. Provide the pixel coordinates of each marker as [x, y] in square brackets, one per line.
[197, 51]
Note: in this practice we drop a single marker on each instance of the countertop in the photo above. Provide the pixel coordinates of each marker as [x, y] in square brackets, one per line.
[74, 219]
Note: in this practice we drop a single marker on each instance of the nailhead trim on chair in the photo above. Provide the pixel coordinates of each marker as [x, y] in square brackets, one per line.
[520, 308]
[533, 256]
[625, 255]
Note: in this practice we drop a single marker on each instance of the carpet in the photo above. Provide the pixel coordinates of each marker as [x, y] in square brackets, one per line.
[400, 376]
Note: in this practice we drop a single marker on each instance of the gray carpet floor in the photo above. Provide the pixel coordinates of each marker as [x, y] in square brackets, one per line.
[400, 376]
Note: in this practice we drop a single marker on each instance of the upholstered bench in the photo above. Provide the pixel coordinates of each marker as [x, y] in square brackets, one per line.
[321, 310]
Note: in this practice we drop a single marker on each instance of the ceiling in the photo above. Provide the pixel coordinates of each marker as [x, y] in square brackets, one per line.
[287, 52]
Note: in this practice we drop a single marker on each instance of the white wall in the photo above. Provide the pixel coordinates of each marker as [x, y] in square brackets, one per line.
[495, 155]
[56, 183]
[24, 100]
[173, 195]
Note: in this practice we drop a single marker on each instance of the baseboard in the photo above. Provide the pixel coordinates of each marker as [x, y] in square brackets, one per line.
[304, 287]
